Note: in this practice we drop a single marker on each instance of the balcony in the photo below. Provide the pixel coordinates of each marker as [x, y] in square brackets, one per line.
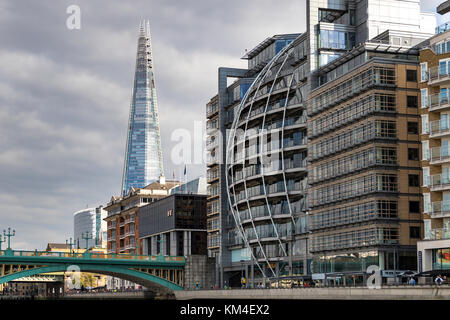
[440, 155]
[438, 102]
[438, 76]
[112, 226]
[439, 183]
[212, 160]
[438, 234]
[212, 144]
[131, 219]
[129, 233]
[439, 128]
[212, 110]
[440, 209]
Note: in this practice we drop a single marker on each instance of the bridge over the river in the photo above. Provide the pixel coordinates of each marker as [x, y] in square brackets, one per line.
[154, 272]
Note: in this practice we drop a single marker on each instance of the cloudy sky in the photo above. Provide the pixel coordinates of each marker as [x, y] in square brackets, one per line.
[65, 94]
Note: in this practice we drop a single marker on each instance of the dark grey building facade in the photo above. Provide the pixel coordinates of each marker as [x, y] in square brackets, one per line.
[175, 226]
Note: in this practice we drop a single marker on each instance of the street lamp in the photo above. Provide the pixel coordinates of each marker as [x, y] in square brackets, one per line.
[1, 241]
[86, 237]
[9, 235]
[70, 243]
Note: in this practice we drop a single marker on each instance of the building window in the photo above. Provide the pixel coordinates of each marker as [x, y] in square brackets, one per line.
[414, 232]
[414, 206]
[411, 75]
[413, 128]
[423, 71]
[426, 202]
[425, 150]
[412, 102]
[426, 175]
[424, 123]
[424, 98]
[413, 180]
[413, 154]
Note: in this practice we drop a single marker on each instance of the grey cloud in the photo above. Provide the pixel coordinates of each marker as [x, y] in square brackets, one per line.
[64, 95]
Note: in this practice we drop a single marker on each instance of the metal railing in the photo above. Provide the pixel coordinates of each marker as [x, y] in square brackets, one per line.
[438, 234]
[438, 74]
[440, 208]
[88, 255]
[437, 101]
[438, 127]
[439, 181]
[439, 154]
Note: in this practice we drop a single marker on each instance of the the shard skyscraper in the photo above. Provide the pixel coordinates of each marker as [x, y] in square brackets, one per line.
[143, 155]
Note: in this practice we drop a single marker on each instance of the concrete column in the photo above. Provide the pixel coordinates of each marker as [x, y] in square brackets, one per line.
[189, 242]
[252, 273]
[173, 243]
[153, 245]
[381, 260]
[145, 246]
[186, 250]
[163, 244]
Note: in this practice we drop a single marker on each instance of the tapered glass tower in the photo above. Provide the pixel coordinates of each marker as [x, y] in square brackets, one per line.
[143, 156]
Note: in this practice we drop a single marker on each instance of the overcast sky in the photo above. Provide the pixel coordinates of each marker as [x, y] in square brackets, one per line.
[65, 94]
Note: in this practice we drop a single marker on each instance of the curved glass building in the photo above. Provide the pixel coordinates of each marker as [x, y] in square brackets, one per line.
[266, 165]
[90, 220]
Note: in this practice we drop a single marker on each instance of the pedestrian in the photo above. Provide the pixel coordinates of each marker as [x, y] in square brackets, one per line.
[412, 281]
[438, 280]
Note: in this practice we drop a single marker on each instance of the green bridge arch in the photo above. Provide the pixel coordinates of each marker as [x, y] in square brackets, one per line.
[145, 279]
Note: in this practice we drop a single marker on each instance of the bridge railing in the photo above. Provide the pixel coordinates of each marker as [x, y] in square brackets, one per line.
[90, 255]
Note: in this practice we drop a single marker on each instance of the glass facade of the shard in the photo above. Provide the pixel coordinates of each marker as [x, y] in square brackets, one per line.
[143, 156]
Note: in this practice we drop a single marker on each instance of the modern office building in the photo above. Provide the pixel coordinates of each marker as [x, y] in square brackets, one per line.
[266, 167]
[434, 250]
[232, 257]
[143, 155]
[364, 174]
[175, 226]
[89, 223]
[123, 215]
[269, 235]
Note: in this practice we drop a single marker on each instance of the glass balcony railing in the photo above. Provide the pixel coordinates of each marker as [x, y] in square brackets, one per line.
[439, 181]
[439, 234]
[438, 101]
[438, 74]
[439, 154]
[440, 208]
[438, 127]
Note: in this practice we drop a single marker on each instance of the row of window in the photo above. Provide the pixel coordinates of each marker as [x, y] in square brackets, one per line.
[213, 240]
[212, 207]
[363, 132]
[353, 111]
[374, 182]
[376, 209]
[297, 160]
[354, 162]
[297, 184]
[359, 82]
[356, 238]
[291, 139]
[333, 39]
[277, 230]
[277, 208]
